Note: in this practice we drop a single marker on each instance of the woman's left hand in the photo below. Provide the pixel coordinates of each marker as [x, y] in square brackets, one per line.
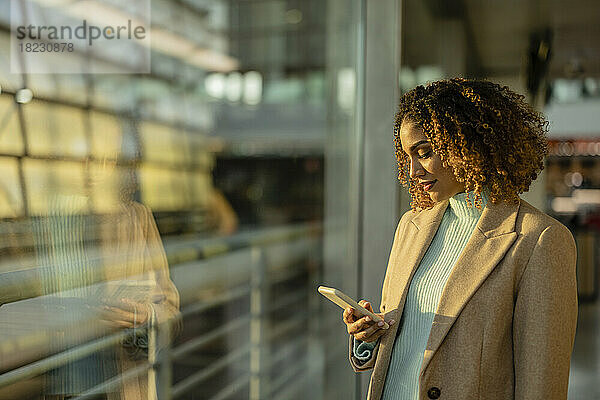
[363, 328]
[124, 313]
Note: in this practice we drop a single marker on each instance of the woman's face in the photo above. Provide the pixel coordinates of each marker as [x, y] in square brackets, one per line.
[426, 166]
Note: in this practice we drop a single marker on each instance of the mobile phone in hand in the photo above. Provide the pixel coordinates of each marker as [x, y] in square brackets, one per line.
[345, 301]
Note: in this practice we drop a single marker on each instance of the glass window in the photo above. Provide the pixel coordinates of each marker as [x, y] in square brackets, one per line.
[107, 135]
[157, 142]
[111, 185]
[11, 201]
[164, 189]
[171, 207]
[55, 130]
[55, 187]
[11, 139]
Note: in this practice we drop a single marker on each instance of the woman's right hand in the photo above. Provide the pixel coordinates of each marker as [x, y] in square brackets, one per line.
[363, 328]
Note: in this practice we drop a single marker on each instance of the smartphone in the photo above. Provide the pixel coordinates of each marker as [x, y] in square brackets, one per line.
[139, 290]
[345, 301]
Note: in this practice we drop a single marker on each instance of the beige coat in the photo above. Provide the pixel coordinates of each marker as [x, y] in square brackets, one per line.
[505, 324]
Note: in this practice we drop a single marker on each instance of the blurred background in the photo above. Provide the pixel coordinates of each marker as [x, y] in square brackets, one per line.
[253, 163]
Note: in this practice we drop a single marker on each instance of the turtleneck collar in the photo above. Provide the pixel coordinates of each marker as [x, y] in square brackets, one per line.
[458, 204]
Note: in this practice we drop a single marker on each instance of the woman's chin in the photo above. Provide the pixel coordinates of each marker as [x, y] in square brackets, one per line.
[433, 196]
[437, 197]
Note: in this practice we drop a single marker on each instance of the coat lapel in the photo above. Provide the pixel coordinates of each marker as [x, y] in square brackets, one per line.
[421, 231]
[492, 237]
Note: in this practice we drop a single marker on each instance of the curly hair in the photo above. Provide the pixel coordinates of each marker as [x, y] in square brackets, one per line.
[487, 134]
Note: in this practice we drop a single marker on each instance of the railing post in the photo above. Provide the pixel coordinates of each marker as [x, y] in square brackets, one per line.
[258, 327]
[159, 354]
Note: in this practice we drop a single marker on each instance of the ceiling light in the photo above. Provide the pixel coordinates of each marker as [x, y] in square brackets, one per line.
[252, 87]
[563, 205]
[234, 86]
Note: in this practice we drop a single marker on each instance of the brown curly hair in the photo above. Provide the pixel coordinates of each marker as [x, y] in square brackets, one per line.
[487, 134]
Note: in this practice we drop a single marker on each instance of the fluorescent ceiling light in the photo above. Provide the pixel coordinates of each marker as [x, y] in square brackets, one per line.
[233, 89]
[586, 196]
[346, 88]
[215, 85]
[563, 205]
[252, 87]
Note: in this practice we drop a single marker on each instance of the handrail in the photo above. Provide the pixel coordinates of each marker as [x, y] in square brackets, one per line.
[200, 247]
[21, 284]
[201, 306]
[57, 360]
[114, 382]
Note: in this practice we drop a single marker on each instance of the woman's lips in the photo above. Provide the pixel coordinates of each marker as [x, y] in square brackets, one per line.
[428, 186]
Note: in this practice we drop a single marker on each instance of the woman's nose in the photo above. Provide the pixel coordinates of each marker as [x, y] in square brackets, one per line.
[416, 169]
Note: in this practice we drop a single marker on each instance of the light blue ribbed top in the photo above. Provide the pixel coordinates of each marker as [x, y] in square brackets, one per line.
[457, 225]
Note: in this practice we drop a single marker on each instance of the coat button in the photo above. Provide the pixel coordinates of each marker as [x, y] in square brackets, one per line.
[434, 393]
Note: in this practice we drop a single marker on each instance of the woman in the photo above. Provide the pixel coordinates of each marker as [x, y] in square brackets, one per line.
[481, 283]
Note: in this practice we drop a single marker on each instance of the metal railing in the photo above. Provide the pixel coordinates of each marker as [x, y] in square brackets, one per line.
[246, 267]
